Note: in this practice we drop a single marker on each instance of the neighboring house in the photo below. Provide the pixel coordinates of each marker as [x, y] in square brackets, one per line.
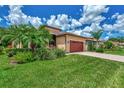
[121, 44]
[67, 41]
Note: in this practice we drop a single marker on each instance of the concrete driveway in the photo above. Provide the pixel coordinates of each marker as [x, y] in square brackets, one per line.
[102, 55]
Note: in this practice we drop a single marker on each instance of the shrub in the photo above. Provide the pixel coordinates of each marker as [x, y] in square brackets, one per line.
[59, 52]
[11, 52]
[101, 50]
[1, 50]
[44, 54]
[38, 54]
[51, 55]
[108, 45]
[23, 57]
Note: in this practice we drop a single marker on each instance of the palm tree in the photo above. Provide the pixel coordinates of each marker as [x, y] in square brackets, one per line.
[3, 33]
[25, 34]
[14, 34]
[97, 35]
[2, 30]
[37, 37]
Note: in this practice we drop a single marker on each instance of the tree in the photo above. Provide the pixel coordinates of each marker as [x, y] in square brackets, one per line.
[108, 44]
[14, 34]
[37, 37]
[118, 39]
[3, 32]
[26, 34]
[97, 35]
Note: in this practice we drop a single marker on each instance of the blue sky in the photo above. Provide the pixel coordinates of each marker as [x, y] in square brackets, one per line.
[43, 11]
[76, 19]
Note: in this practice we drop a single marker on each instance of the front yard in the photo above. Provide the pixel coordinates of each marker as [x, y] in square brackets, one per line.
[70, 71]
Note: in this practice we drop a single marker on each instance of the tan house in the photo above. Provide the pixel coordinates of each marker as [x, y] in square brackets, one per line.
[68, 41]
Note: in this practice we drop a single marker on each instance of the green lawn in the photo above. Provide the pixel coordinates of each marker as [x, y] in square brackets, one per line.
[115, 52]
[70, 71]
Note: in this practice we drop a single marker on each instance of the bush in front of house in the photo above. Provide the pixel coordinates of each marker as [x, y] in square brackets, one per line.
[108, 45]
[11, 52]
[44, 54]
[59, 52]
[48, 54]
[101, 50]
[23, 57]
[1, 50]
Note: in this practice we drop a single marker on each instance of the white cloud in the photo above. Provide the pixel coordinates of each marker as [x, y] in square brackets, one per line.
[80, 10]
[61, 20]
[118, 25]
[95, 9]
[91, 13]
[107, 27]
[44, 19]
[1, 19]
[51, 21]
[75, 23]
[86, 31]
[35, 21]
[114, 16]
[16, 16]
[78, 32]
[116, 29]
[120, 19]
[98, 19]
[85, 34]
[93, 27]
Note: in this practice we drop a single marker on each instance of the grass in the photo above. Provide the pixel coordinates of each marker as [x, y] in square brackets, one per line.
[115, 52]
[70, 71]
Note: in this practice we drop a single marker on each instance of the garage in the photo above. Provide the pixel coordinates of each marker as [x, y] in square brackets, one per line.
[76, 46]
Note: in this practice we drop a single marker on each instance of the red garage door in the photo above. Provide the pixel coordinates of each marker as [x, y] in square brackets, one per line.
[76, 46]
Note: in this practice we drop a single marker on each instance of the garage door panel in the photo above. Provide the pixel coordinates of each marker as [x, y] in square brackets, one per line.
[76, 46]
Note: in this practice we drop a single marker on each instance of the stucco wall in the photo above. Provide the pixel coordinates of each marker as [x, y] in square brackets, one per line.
[63, 42]
[60, 42]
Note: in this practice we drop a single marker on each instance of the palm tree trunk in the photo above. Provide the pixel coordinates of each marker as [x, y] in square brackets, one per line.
[32, 47]
[97, 44]
[19, 44]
